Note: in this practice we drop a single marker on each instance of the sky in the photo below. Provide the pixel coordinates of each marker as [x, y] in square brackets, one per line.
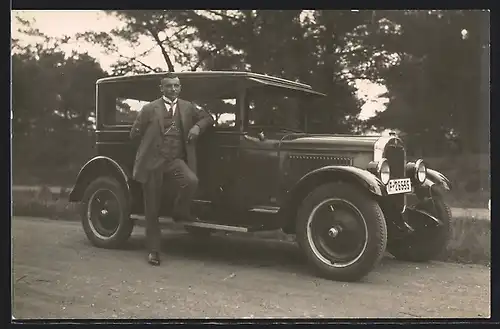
[57, 23]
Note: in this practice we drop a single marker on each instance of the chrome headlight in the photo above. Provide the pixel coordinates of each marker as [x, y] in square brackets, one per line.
[420, 171]
[384, 171]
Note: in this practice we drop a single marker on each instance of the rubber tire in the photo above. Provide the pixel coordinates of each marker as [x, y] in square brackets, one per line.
[199, 232]
[375, 222]
[432, 246]
[126, 225]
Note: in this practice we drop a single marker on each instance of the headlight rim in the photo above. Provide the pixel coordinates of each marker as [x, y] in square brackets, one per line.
[379, 170]
[418, 163]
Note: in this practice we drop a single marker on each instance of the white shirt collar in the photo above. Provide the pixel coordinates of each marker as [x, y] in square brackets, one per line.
[169, 101]
[173, 104]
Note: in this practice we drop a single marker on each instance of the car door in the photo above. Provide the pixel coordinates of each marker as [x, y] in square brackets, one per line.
[259, 179]
[218, 151]
[258, 171]
[217, 155]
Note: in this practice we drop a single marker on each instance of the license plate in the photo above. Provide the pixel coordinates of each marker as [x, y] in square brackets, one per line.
[396, 186]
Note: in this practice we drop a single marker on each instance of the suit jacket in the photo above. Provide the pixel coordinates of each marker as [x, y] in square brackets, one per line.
[148, 126]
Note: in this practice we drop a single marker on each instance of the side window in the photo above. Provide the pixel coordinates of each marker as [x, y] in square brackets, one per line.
[224, 111]
[127, 110]
[273, 109]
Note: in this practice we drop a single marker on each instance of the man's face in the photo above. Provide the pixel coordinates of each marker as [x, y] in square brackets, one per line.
[170, 88]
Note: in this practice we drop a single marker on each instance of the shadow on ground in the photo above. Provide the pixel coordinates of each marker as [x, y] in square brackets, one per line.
[229, 250]
[280, 256]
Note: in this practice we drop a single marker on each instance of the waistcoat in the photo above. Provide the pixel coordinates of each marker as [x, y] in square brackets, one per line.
[172, 146]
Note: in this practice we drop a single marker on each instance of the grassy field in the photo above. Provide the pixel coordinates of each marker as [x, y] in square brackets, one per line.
[470, 241]
[470, 177]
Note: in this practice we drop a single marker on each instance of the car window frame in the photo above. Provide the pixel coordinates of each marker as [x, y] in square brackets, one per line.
[104, 102]
[301, 97]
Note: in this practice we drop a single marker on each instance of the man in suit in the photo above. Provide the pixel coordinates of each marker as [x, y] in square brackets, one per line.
[167, 128]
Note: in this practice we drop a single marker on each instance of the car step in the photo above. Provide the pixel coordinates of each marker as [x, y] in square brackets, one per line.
[212, 226]
[217, 227]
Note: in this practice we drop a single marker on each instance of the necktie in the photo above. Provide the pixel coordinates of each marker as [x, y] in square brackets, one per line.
[170, 106]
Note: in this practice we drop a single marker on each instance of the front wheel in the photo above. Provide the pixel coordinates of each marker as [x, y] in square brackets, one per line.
[342, 231]
[106, 215]
[427, 242]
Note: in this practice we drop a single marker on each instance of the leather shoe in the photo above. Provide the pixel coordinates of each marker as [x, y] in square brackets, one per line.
[154, 258]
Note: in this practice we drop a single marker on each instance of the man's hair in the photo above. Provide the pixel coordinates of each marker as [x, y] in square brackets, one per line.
[170, 75]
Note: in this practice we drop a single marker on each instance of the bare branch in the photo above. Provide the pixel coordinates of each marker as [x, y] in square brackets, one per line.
[138, 61]
[144, 53]
[176, 34]
[193, 68]
[156, 37]
[171, 45]
[203, 58]
[145, 65]
[234, 19]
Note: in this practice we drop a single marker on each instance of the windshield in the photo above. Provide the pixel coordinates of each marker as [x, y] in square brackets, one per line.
[275, 109]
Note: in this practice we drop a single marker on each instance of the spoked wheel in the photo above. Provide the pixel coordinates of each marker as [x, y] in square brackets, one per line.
[106, 218]
[342, 231]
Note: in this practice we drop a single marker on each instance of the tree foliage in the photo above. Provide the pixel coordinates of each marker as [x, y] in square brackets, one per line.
[439, 88]
[53, 101]
[433, 63]
[324, 48]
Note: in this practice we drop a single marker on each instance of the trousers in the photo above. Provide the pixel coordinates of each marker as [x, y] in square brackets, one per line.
[186, 183]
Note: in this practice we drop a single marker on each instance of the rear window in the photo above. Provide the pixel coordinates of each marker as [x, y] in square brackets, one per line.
[127, 110]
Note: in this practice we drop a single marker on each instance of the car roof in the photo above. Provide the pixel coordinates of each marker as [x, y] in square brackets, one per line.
[220, 77]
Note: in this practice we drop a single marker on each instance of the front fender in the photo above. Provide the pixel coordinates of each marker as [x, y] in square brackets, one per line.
[438, 178]
[95, 167]
[363, 177]
[435, 183]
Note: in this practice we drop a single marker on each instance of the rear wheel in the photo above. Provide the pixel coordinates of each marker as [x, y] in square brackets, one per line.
[105, 214]
[342, 231]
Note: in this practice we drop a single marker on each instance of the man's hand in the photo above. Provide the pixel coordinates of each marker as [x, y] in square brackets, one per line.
[193, 133]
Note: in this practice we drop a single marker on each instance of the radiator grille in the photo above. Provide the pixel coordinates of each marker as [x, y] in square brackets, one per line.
[395, 155]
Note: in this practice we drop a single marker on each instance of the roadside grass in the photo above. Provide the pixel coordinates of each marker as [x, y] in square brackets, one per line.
[470, 241]
[470, 178]
[44, 203]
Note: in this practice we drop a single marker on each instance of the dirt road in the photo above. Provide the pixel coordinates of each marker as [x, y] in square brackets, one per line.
[58, 274]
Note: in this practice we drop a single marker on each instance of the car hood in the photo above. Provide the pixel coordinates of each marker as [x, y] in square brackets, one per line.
[322, 142]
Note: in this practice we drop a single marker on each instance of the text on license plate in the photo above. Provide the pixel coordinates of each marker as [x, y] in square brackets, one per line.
[396, 186]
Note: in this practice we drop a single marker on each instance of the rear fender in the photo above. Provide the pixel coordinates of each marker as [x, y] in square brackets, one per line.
[96, 167]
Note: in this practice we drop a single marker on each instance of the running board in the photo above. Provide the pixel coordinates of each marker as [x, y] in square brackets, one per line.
[217, 227]
[212, 226]
[265, 209]
[259, 209]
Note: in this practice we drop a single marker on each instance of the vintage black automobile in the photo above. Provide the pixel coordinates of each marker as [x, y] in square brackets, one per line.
[345, 197]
